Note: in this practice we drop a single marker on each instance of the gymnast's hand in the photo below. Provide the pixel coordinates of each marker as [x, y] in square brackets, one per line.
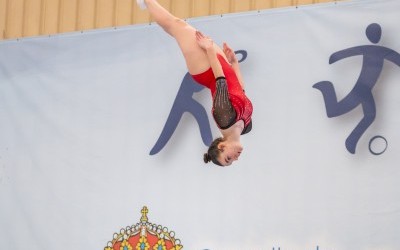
[203, 41]
[230, 54]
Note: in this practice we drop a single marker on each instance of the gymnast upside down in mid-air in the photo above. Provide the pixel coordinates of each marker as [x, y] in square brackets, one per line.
[218, 70]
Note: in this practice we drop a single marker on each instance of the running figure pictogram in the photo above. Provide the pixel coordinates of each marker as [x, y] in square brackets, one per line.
[372, 64]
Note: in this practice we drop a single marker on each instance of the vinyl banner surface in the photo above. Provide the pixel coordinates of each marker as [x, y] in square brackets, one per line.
[102, 136]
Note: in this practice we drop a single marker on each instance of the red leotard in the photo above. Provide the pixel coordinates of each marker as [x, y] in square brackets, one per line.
[238, 98]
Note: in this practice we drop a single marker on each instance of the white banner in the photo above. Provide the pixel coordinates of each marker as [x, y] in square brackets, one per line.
[96, 125]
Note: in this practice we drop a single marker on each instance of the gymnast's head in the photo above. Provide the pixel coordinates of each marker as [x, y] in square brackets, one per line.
[222, 152]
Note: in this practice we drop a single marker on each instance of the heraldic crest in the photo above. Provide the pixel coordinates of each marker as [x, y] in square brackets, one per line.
[144, 236]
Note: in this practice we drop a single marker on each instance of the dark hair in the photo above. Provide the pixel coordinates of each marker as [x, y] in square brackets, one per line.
[213, 152]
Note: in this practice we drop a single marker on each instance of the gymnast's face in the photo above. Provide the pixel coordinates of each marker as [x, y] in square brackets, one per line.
[229, 152]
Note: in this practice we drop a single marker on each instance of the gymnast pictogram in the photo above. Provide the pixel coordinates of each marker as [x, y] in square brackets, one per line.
[216, 69]
[184, 102]
[373, 59]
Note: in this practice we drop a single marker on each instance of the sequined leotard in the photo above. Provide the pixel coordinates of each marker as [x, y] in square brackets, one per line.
[230, 103]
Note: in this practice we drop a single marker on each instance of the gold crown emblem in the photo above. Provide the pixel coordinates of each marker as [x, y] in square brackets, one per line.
[144, 236]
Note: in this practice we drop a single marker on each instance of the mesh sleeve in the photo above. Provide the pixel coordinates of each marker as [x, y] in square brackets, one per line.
[223, 111]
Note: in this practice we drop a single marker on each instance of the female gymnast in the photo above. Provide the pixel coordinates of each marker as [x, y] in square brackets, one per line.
[218, 70]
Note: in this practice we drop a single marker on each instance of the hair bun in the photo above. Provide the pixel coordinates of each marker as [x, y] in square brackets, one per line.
[206, 158]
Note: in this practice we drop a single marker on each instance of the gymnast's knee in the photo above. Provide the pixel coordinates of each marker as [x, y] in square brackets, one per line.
[176, 25]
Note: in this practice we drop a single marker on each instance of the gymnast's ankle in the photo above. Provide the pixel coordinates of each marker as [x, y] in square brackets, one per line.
[142, 4]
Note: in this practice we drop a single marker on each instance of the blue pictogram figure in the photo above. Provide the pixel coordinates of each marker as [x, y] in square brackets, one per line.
[373, 59]
[184, 102]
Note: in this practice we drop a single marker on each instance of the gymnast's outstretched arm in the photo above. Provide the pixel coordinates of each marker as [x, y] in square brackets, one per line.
[230, 55]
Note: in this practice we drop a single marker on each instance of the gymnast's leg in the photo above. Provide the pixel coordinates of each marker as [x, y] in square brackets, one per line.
[195, 57]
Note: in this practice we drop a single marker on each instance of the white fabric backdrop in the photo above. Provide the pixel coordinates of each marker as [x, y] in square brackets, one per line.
[79, 114]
